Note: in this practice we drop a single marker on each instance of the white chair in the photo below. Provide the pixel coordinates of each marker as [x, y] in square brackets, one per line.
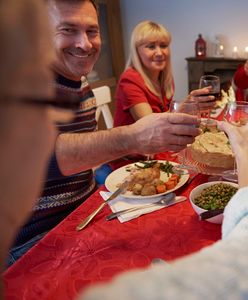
[103, 97]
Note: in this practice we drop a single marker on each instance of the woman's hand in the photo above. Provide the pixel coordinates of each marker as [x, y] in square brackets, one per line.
[206, 101]
[238, 137]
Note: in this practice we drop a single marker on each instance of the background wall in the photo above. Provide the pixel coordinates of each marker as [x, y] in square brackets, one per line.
[185, 19]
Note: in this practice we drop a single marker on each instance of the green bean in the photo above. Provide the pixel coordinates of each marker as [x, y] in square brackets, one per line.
[166, 167]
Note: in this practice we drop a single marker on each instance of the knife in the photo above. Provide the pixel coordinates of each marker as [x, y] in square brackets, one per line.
[168, 200]
[119, 191]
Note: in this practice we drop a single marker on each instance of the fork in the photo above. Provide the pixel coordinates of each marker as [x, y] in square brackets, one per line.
[165, 201]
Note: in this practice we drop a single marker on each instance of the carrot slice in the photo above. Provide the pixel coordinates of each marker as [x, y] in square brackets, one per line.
[161, 188]
[170, 184]
[175, 177]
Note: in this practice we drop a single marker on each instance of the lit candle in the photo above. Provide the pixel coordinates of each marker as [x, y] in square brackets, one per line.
[246, 52]
[235, 52]
[221, 50]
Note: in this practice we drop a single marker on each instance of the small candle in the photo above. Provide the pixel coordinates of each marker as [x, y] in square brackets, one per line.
[246, 52]
[235, 52]
[221, 50]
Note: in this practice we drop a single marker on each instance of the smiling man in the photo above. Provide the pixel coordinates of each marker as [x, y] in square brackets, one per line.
[76, 37]
[79, 147]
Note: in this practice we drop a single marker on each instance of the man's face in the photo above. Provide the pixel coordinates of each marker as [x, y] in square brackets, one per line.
[76, 37]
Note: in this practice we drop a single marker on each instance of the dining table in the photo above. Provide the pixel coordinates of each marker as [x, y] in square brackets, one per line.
[66, 262]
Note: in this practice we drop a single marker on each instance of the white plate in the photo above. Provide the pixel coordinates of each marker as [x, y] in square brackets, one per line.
[118, 176]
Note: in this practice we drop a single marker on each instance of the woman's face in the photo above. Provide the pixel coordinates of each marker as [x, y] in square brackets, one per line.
[154, 54]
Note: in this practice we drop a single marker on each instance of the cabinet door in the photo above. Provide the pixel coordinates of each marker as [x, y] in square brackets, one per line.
[195, 71]
[111, 60]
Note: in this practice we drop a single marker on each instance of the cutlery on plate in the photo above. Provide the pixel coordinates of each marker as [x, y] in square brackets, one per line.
[210, 213]
[167, 200]
[119, 191]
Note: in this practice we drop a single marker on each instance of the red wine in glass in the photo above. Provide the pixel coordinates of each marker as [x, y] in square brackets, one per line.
[213, 82]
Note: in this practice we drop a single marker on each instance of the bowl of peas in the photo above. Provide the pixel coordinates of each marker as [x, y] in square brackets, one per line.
[212, 195]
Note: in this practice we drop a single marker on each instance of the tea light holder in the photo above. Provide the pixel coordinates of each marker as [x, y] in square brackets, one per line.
[221, 50]
[235, 52]
[246, 52]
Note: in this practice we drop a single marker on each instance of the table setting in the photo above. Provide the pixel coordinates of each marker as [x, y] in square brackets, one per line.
[127, 209]
[101, 239]
[74, 260]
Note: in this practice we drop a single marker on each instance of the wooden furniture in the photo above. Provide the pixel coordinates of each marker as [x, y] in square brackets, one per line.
[103, 100]
[111, 60]
[221, 66]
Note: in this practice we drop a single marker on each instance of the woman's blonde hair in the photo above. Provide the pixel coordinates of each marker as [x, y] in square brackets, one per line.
[141, 33]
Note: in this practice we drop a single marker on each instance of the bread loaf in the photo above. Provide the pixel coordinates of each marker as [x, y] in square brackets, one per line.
[213, 149]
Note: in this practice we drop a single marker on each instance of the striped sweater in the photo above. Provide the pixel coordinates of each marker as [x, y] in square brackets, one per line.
[62, 194]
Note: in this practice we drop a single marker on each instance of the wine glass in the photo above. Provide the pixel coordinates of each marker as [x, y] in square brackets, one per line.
[214, 82]
[236, 113]
[190, 107]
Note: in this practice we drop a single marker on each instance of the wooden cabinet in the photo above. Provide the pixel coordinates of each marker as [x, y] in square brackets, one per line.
[222, 67]
[111, 60]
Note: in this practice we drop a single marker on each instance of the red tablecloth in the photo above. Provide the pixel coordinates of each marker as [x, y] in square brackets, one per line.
[65, 261]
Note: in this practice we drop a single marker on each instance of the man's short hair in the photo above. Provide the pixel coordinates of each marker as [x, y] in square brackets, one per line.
[94, 3]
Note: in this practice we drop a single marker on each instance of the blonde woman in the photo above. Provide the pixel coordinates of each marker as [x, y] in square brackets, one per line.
[147, 84]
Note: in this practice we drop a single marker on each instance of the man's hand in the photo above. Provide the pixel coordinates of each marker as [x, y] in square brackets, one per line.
[164, 132]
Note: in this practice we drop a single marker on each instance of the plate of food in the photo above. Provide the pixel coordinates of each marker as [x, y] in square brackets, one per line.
[147, 179]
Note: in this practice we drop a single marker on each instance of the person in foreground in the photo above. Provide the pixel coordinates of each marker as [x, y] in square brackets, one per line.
[147, 84]
[240, 82]
[219, 271]
[23, 153]
[75, 32]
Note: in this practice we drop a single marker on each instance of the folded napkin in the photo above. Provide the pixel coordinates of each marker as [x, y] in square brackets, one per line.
[121, 203]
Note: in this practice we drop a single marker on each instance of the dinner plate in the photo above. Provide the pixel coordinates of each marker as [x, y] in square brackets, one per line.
[118, 176]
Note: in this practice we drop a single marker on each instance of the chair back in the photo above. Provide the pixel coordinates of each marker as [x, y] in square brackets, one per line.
[103, 97]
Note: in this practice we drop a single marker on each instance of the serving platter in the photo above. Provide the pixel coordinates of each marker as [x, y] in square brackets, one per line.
[199, 167]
